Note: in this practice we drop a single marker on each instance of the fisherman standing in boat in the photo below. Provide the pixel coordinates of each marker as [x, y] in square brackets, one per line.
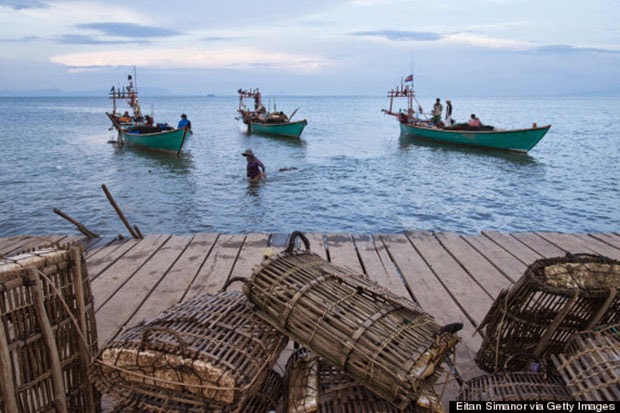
[255, 168]
[437, 109]
[448, 120]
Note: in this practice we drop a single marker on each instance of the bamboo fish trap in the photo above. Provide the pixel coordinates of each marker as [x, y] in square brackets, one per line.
[514, 386]
[314, 385]
[590, 366]
[48, 332]
[207, 354]
[556, 298]
[384, 342]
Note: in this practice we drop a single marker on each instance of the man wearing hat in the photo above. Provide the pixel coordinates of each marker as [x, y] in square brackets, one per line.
[255, 168]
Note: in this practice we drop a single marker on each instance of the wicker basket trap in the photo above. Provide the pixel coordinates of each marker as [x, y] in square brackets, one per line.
[555, 298]
[48, 332]
[314, 385]
[385, 342]
[269, 397]
[590, 366]
[210, 353]
[514, 386]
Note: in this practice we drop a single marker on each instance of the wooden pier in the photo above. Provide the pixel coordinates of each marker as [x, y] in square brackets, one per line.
[452, 277]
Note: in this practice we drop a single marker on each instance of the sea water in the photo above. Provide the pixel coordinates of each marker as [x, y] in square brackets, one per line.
[351, 171]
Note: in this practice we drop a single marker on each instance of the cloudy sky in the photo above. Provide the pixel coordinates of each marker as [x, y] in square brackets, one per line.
[317, 47]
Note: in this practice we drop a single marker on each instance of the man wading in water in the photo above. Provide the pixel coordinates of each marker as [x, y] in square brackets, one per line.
[255, 168]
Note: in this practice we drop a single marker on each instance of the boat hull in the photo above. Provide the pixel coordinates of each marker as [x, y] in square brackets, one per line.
[519, 140]
[288, 130]
[172, 141]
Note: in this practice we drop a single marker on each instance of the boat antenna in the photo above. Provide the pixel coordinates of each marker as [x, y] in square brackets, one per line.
[135, 79]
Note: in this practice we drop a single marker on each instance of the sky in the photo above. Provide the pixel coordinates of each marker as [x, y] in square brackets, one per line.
[317, 47]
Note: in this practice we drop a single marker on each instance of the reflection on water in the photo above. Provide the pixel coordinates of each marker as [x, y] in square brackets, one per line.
[181, 164]
[519, 158]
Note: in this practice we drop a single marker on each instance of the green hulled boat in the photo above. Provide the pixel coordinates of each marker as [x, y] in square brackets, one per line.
[520, 140]
[136, 131]
[285, 129]
[412, 125]
[261, 122]
[173, 140]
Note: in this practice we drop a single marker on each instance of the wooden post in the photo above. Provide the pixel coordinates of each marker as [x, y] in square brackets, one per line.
[119, 212]
[7, 388]
[50, 341]
[85, 355]
[78, 224]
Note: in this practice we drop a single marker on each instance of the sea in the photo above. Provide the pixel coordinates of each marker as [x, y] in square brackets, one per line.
[351, 171]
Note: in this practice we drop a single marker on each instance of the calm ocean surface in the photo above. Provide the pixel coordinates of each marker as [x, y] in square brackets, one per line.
[354, 173]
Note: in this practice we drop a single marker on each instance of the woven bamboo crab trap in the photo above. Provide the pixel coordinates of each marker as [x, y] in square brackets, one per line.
[269, 397]
[384, 342]
[590, 365]
[514, 386]
[314, 385]
[556, 298]
[211, 353]
[48, 332]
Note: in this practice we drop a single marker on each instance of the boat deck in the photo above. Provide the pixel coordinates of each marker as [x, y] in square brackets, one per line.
[452, 277]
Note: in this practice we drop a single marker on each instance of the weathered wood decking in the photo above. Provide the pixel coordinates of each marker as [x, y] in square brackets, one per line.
[453, 277]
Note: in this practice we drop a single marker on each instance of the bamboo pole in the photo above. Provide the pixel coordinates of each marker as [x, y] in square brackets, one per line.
[78, 224]
[119, 212]
[50, 341]
[85, 355]
[7, 387]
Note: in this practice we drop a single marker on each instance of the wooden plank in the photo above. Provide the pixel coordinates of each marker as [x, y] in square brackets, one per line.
[608, 238]
[218, 265]
[173, 287]
[108, 257]
[10, 244]
[566, 243]
[597, 246]
[379, 266]
[250, 257]
[278, 242]
[470, 297]
[431, 295]
[539, 244]
[99, 245]
[342, 252]
[428, 292]
[126, 301]
[115, 276]
[489, 278]
[508, 264]
[513, 246]
[32, 242]
[317, 244]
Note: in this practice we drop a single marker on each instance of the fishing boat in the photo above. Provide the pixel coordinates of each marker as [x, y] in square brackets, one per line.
[262, 122]
[139, 130]
[414, 124]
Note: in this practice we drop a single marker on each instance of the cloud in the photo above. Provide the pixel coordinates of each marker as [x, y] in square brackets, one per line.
[478, 40]
[22, 39]
[23, 4]
[128, 29]
[82, 39]
[239, 58]
[561, 49]
[400, 35]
